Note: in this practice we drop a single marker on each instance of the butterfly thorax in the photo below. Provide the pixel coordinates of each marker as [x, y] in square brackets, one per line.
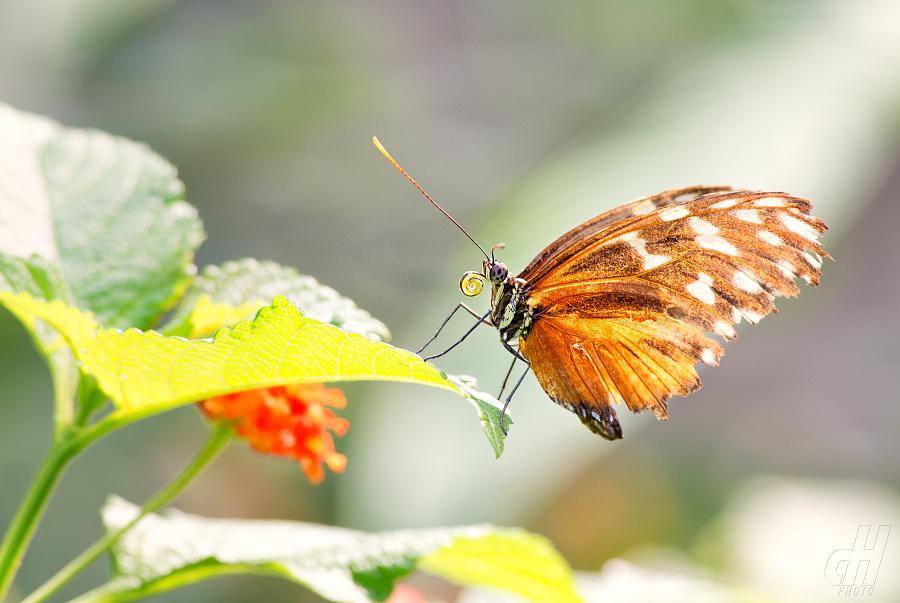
[509, 312]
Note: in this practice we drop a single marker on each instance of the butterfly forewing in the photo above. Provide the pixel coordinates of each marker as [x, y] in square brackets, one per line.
[574, 240]
[621, 304]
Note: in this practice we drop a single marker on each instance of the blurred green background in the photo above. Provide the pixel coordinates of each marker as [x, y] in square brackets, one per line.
[522, 119]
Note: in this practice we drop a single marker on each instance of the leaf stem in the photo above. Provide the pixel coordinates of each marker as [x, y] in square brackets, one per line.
[23, 525]
[218, 439]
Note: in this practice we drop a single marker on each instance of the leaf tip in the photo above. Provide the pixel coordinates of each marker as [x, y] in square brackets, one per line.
[281, 301]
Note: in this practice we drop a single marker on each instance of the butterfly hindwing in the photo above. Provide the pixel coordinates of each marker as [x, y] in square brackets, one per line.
[587, 362]
[620, 313]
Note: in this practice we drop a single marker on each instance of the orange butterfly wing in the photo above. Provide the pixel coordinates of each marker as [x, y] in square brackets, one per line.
[621, 308]
[571, 242]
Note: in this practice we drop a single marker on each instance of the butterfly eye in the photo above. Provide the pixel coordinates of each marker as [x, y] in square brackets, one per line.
[471, 283]
[498, 272]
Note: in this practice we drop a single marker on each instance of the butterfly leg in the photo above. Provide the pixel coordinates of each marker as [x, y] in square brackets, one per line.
[505, 379]
[517, 356]
[515, 352]
[446, 320]
[481, 320]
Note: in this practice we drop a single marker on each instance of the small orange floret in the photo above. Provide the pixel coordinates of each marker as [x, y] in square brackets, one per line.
[288, 421]
[406, 594]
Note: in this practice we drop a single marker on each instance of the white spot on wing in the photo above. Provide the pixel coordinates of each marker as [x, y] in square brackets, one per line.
[702, 227]
[716, 243]
[639, 245]
[745, 283]
[747, 215]
[798, 226]
[812, 261]
[770, 238]
[724, 329]
[771, 202]
[787, 268]
[750, 315]
[652, 261]
[625, 238]
[725, 204]
[643, 208]
[673, 213]
[700, 290]
[709, 357]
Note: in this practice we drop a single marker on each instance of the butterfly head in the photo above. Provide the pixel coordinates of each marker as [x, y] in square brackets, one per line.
[496, 271]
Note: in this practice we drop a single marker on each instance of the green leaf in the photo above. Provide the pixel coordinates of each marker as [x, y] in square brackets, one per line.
[36, 277]
[76, 327]
[488, 408]
[515, 560]
[163, 552]
[144, 372]
[26, 226]
[223, 295]
[126, 238]
[378, 578]
[105, 210]
[182, 548]
[90, 220]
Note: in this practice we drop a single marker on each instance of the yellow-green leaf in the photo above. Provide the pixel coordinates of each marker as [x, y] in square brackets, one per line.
[208, 316]
[41, 278]
[75, 326]
[145, 372]
[510, 559]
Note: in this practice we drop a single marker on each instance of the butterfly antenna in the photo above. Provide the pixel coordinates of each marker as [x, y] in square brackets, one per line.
[402, 171]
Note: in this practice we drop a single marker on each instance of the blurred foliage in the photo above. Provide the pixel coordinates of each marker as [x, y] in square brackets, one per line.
[501, 110]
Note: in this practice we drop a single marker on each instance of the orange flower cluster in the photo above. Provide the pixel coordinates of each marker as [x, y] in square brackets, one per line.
[288, 421]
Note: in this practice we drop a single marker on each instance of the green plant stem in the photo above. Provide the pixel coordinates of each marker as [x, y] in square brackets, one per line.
[218, 439]
[23, 525]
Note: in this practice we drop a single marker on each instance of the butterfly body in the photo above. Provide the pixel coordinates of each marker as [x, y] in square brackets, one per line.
[616, 310]
[509, 310]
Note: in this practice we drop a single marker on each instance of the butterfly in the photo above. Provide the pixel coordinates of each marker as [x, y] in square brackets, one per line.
[617, 309]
